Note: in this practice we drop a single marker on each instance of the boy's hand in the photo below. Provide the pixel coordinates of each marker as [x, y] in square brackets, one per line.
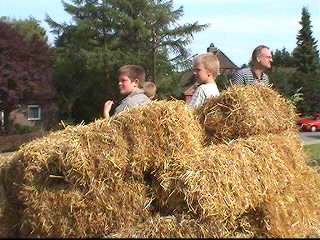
[107, 108]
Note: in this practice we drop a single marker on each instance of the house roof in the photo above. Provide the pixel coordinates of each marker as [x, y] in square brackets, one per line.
[225, 62]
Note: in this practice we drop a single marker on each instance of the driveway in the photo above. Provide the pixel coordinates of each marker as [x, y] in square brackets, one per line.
[310, 137]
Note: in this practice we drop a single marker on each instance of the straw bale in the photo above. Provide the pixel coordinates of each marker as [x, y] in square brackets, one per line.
[89, 161]
[235, 185]
[243, 111]
[159, 133]
[172, 226]
[11, 179]
[161, 136]
[176, 226]
[70, 213]
[104, 162]
[148, 173]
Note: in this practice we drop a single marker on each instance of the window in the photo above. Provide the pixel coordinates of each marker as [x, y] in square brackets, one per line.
[34, 112]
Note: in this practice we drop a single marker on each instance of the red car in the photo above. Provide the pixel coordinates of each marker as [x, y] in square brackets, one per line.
[310, 124]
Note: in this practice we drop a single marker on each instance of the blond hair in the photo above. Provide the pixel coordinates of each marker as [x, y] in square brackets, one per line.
[210, 63]
[150, 89]
[133, 72]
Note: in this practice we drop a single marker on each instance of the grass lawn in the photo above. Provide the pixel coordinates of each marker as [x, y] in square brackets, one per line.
[313, 151]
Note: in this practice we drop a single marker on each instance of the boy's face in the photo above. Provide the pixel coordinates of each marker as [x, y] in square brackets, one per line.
[126, 86]
[200, 73]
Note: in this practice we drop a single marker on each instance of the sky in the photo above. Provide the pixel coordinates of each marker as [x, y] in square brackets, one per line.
[236, 27]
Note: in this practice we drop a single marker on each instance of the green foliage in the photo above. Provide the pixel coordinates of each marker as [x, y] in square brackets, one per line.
[282, 58]
[310, 89]
[297, 75]
[107, 34]
[313, 153]
[170, 87]
[223, 81]
[27, 28]
[296, 98]
[306, 55]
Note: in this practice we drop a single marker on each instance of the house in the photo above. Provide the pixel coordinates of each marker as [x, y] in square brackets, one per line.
[36, 112]
[226, 66]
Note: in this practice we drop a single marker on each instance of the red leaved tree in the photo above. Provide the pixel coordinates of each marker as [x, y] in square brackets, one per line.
[25, 69]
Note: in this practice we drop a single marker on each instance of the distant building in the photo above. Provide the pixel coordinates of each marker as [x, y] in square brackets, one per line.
[226, 66]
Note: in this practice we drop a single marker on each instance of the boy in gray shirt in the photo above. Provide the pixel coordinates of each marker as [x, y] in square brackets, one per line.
[130, 80]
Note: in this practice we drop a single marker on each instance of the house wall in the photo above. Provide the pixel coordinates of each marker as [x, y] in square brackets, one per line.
[20, 117]
[49, 115]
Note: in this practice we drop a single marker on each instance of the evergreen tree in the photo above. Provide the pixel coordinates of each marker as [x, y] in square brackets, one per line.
[282, 58]
[306, 55]
[106, 34]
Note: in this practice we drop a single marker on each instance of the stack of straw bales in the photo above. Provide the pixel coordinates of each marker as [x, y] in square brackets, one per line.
[233, 168]
[241, 112]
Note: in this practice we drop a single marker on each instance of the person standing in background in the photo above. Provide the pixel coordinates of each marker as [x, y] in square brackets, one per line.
[261, 61]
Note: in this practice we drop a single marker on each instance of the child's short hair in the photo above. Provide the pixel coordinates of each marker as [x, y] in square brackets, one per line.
[209, 61]
[150, 89]
[133, 72]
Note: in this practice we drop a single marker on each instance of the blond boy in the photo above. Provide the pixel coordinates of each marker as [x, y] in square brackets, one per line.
[150, 89]
[206, 69]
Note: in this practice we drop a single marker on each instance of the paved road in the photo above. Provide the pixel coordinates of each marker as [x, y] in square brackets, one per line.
[310, 137]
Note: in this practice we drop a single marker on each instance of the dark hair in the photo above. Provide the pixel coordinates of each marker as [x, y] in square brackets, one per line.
[133, 72]
[257, 52]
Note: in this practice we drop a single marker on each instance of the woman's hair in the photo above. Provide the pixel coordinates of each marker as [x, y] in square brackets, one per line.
[210, 63]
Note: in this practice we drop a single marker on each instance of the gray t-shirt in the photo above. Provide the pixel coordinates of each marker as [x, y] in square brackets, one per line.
[133, 99]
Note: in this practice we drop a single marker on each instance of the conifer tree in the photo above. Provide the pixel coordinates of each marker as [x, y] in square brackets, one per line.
[282, 58]
[106, 34]
[306, 55]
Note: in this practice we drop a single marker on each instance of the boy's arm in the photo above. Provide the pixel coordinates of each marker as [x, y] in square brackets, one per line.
[107, 108]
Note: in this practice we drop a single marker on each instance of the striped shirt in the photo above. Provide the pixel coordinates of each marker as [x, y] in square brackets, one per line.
[246, 76]
[203, 92]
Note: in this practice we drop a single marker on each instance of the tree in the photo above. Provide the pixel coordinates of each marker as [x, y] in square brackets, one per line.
[27, 28]
[24, 68]
[282, 58]
[306, 58]
[109, 33]
[306, 54]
